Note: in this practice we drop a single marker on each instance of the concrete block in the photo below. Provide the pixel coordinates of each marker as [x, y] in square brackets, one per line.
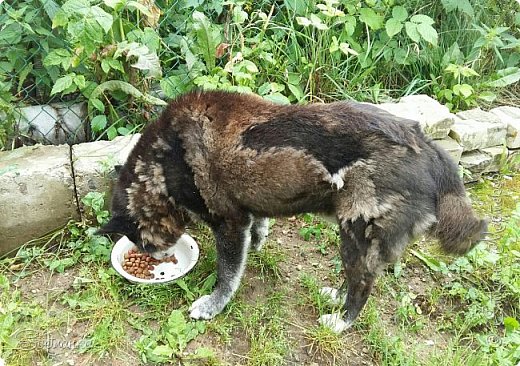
[511, 117]
[452, 147]
[36, 193]
[94, 162]
[435, 119]
[473, 134]
[58, 123]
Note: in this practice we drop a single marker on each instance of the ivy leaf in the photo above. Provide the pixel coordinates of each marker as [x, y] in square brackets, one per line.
[98, 123]
[371, 18]
[393, 27]
[428, 33]
[399, 13]
[62, 83]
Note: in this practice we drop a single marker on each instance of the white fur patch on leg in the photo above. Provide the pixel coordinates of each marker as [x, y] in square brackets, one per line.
[332, 295]
[261, 231]
[334, 322]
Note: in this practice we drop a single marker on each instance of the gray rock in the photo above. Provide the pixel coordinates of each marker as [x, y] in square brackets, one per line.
[94, 162]
[479, 115]
[452, 147]
[511, 117]
[498, 155]
[55, 124]
[435, 119]
[474, 163]
[473, 134]
[36, 193]
[513, 160]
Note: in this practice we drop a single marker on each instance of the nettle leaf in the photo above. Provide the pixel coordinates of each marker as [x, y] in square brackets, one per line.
[63, 83]
[428, 33]
[393, 27]
[399, 13]
[60, 19]
[371, 18]
[464, 90]
[59, 56]
[98, 123]
[104, 19]
[411, 31]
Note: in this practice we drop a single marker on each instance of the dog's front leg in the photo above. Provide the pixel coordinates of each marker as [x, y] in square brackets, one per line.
[233, 238]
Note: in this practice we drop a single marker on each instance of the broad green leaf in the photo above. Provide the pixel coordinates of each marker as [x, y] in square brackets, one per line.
[59, 56]
[350, 25]
[208, 38]
[371, 18]
[296, 90]
[60, 19]
[174, 85]
[422, 19]
[277, 98]
[98, 123]
[511, 324]
[507, 77]
[96, 103]
[428, 33]
[464, 90]
[104, 19]
[10, 35]
[303, 21]
[487, 96]
[316, 22]
[81, 7]
[114, 4]
[239, 15]
[399, 13]
[50, 7]
[79, 80]
[62, 84]
[163, 350]
[111, 133]
[393, 27]
[411, 31]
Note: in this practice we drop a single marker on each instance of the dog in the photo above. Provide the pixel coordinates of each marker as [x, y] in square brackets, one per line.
[235, 160]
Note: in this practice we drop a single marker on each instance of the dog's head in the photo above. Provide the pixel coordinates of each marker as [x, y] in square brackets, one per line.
[145, 215]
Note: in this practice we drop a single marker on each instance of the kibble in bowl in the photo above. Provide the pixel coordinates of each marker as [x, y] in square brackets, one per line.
[142, 268]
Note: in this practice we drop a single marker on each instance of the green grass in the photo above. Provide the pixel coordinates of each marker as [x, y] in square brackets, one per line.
[428, 310]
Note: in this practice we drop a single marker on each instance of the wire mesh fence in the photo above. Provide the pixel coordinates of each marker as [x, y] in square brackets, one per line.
[77, 70]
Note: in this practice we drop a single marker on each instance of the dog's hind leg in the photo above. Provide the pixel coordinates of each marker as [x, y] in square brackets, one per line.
[233, 238]
[259, 232]
[365, 254]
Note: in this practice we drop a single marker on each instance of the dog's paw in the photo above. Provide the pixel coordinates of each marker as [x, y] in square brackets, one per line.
[204, 308]
[332, 295]
[334, 322]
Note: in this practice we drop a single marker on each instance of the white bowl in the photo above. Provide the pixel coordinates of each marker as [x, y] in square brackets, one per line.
[185, 250]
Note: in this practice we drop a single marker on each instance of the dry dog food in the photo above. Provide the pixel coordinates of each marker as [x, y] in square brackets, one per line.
[141, 265]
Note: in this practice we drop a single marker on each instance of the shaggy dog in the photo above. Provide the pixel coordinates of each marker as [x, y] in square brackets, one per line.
[235, 160]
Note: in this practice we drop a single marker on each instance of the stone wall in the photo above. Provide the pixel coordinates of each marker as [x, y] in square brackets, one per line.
[41, 186]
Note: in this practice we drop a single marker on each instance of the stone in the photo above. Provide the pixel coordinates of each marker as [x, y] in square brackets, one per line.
[498, 155]
[473, 134]
[479, 115]
[36, 193]
[513, 160]
[434, 118]
[94, 163]
[511, 117]
[475, 163]
[452, 147]
[57, 123]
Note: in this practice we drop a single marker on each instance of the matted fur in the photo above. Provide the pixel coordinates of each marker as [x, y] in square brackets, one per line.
[233, 160]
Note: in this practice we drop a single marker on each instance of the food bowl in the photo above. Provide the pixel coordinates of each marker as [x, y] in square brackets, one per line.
[185, 250]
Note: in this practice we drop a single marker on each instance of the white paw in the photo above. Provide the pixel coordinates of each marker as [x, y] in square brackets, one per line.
[204, 308]
[334, 322]
[332, 295]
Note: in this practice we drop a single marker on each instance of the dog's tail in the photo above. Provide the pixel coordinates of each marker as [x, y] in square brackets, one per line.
[457, 228]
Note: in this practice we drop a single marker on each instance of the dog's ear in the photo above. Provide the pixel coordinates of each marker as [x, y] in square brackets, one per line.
[119, 225]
